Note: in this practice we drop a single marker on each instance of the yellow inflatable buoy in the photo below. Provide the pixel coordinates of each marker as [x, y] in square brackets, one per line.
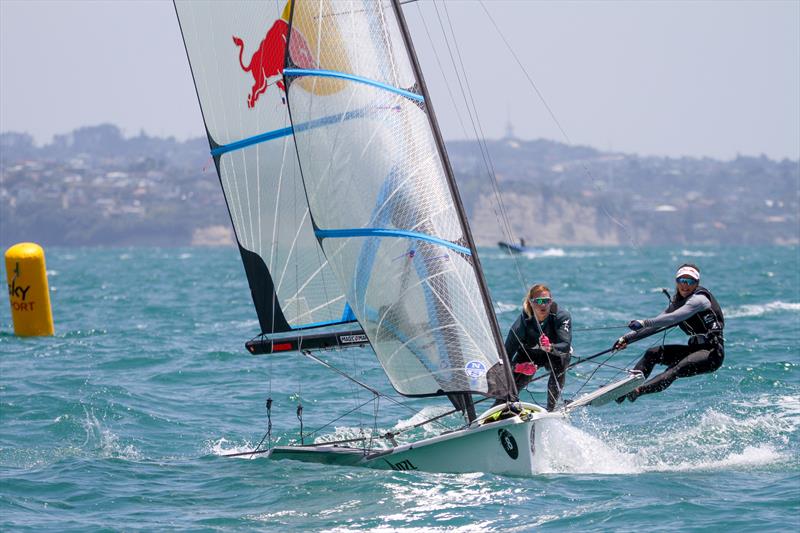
[28, 290]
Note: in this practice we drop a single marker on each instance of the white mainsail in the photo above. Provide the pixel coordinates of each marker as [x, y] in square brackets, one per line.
[381, 202]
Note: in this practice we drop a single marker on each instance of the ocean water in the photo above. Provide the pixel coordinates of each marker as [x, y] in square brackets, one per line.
[121, 420]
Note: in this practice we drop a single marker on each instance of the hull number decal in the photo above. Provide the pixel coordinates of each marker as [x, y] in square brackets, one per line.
[402, 465]
[509, 443]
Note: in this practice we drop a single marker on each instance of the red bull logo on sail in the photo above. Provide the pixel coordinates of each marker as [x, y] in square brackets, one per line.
[266, 64]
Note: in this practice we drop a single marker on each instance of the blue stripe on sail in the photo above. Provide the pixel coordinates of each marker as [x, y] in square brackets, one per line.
[250, 141]
[284, 132]
[382, 232]
[325, 323]
[347, 314]
[335, 74]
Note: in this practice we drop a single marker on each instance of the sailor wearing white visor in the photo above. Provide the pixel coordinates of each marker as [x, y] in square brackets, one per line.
[695, 310]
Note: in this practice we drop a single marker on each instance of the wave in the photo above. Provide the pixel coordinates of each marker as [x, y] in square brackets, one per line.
[697, 253]
[502, 307]
[547, 252]
[105, 441]
[563, 448]
[756, 433]
[760, 309]
[222, 447]
[721, 441]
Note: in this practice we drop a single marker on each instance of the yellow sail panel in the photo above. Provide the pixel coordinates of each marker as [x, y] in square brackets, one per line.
[308, 49]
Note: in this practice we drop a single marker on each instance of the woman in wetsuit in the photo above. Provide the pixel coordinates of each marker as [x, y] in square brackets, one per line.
[695, 310]
[541, 336]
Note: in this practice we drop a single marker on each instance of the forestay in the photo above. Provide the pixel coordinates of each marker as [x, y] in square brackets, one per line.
[381, 203]
[236, 52]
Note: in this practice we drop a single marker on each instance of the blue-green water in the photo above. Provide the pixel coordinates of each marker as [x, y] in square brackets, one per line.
[119, 422]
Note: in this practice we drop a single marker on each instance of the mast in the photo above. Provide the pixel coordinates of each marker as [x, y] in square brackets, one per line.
[476, 264]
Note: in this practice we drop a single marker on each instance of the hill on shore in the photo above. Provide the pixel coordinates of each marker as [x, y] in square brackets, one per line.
[95, 187]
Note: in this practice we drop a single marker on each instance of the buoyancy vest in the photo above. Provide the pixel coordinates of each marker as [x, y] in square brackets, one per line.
[706, 326]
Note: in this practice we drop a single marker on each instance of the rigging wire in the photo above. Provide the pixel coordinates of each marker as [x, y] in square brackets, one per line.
[375, 392]
[469, 103]
[598, 328]
[473, 115]
[585, 166]
[356, 408]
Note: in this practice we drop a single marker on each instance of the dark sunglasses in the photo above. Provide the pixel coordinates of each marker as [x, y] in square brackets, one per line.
[686, 281]
[541, 301]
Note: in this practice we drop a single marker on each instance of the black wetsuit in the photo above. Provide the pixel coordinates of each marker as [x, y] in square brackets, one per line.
[699, 316]
[522, 345]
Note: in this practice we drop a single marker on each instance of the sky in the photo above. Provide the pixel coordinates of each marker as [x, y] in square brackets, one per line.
[675, 78]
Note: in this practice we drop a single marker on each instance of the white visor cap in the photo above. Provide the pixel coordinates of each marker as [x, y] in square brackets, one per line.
[688, 272]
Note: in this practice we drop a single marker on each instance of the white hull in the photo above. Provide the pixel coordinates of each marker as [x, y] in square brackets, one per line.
[502, 447]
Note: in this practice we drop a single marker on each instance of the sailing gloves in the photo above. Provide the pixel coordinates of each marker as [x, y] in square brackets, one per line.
[544, 342]
[620, 344]
[529, 369]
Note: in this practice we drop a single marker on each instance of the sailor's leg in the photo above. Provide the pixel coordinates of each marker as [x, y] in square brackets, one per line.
[522, 380]
[558, 373]
[649, 360]
[697, 362]
[669, 355]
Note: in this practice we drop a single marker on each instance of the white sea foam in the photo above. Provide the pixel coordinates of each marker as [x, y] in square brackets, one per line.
[752, 433]
[351, 433]
[548, 252]
[750, 456]
[502, 307]
[106, 441]
[756, 433]
[697, 253]
[582, 254]
[223, 446]
[427, 412]
[563, 448]
[760, 309]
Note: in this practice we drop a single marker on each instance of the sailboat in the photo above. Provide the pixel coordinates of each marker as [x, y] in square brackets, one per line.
[348, 219]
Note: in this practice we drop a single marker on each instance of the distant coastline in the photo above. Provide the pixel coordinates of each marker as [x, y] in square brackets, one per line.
[95, 187]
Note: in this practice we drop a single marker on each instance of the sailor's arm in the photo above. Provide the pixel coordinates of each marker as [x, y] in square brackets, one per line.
[513, 340]
[695, 304]
[563, 340]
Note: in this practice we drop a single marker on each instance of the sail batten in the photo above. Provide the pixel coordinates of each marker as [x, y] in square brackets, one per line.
[360, 79]
[385, 232]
